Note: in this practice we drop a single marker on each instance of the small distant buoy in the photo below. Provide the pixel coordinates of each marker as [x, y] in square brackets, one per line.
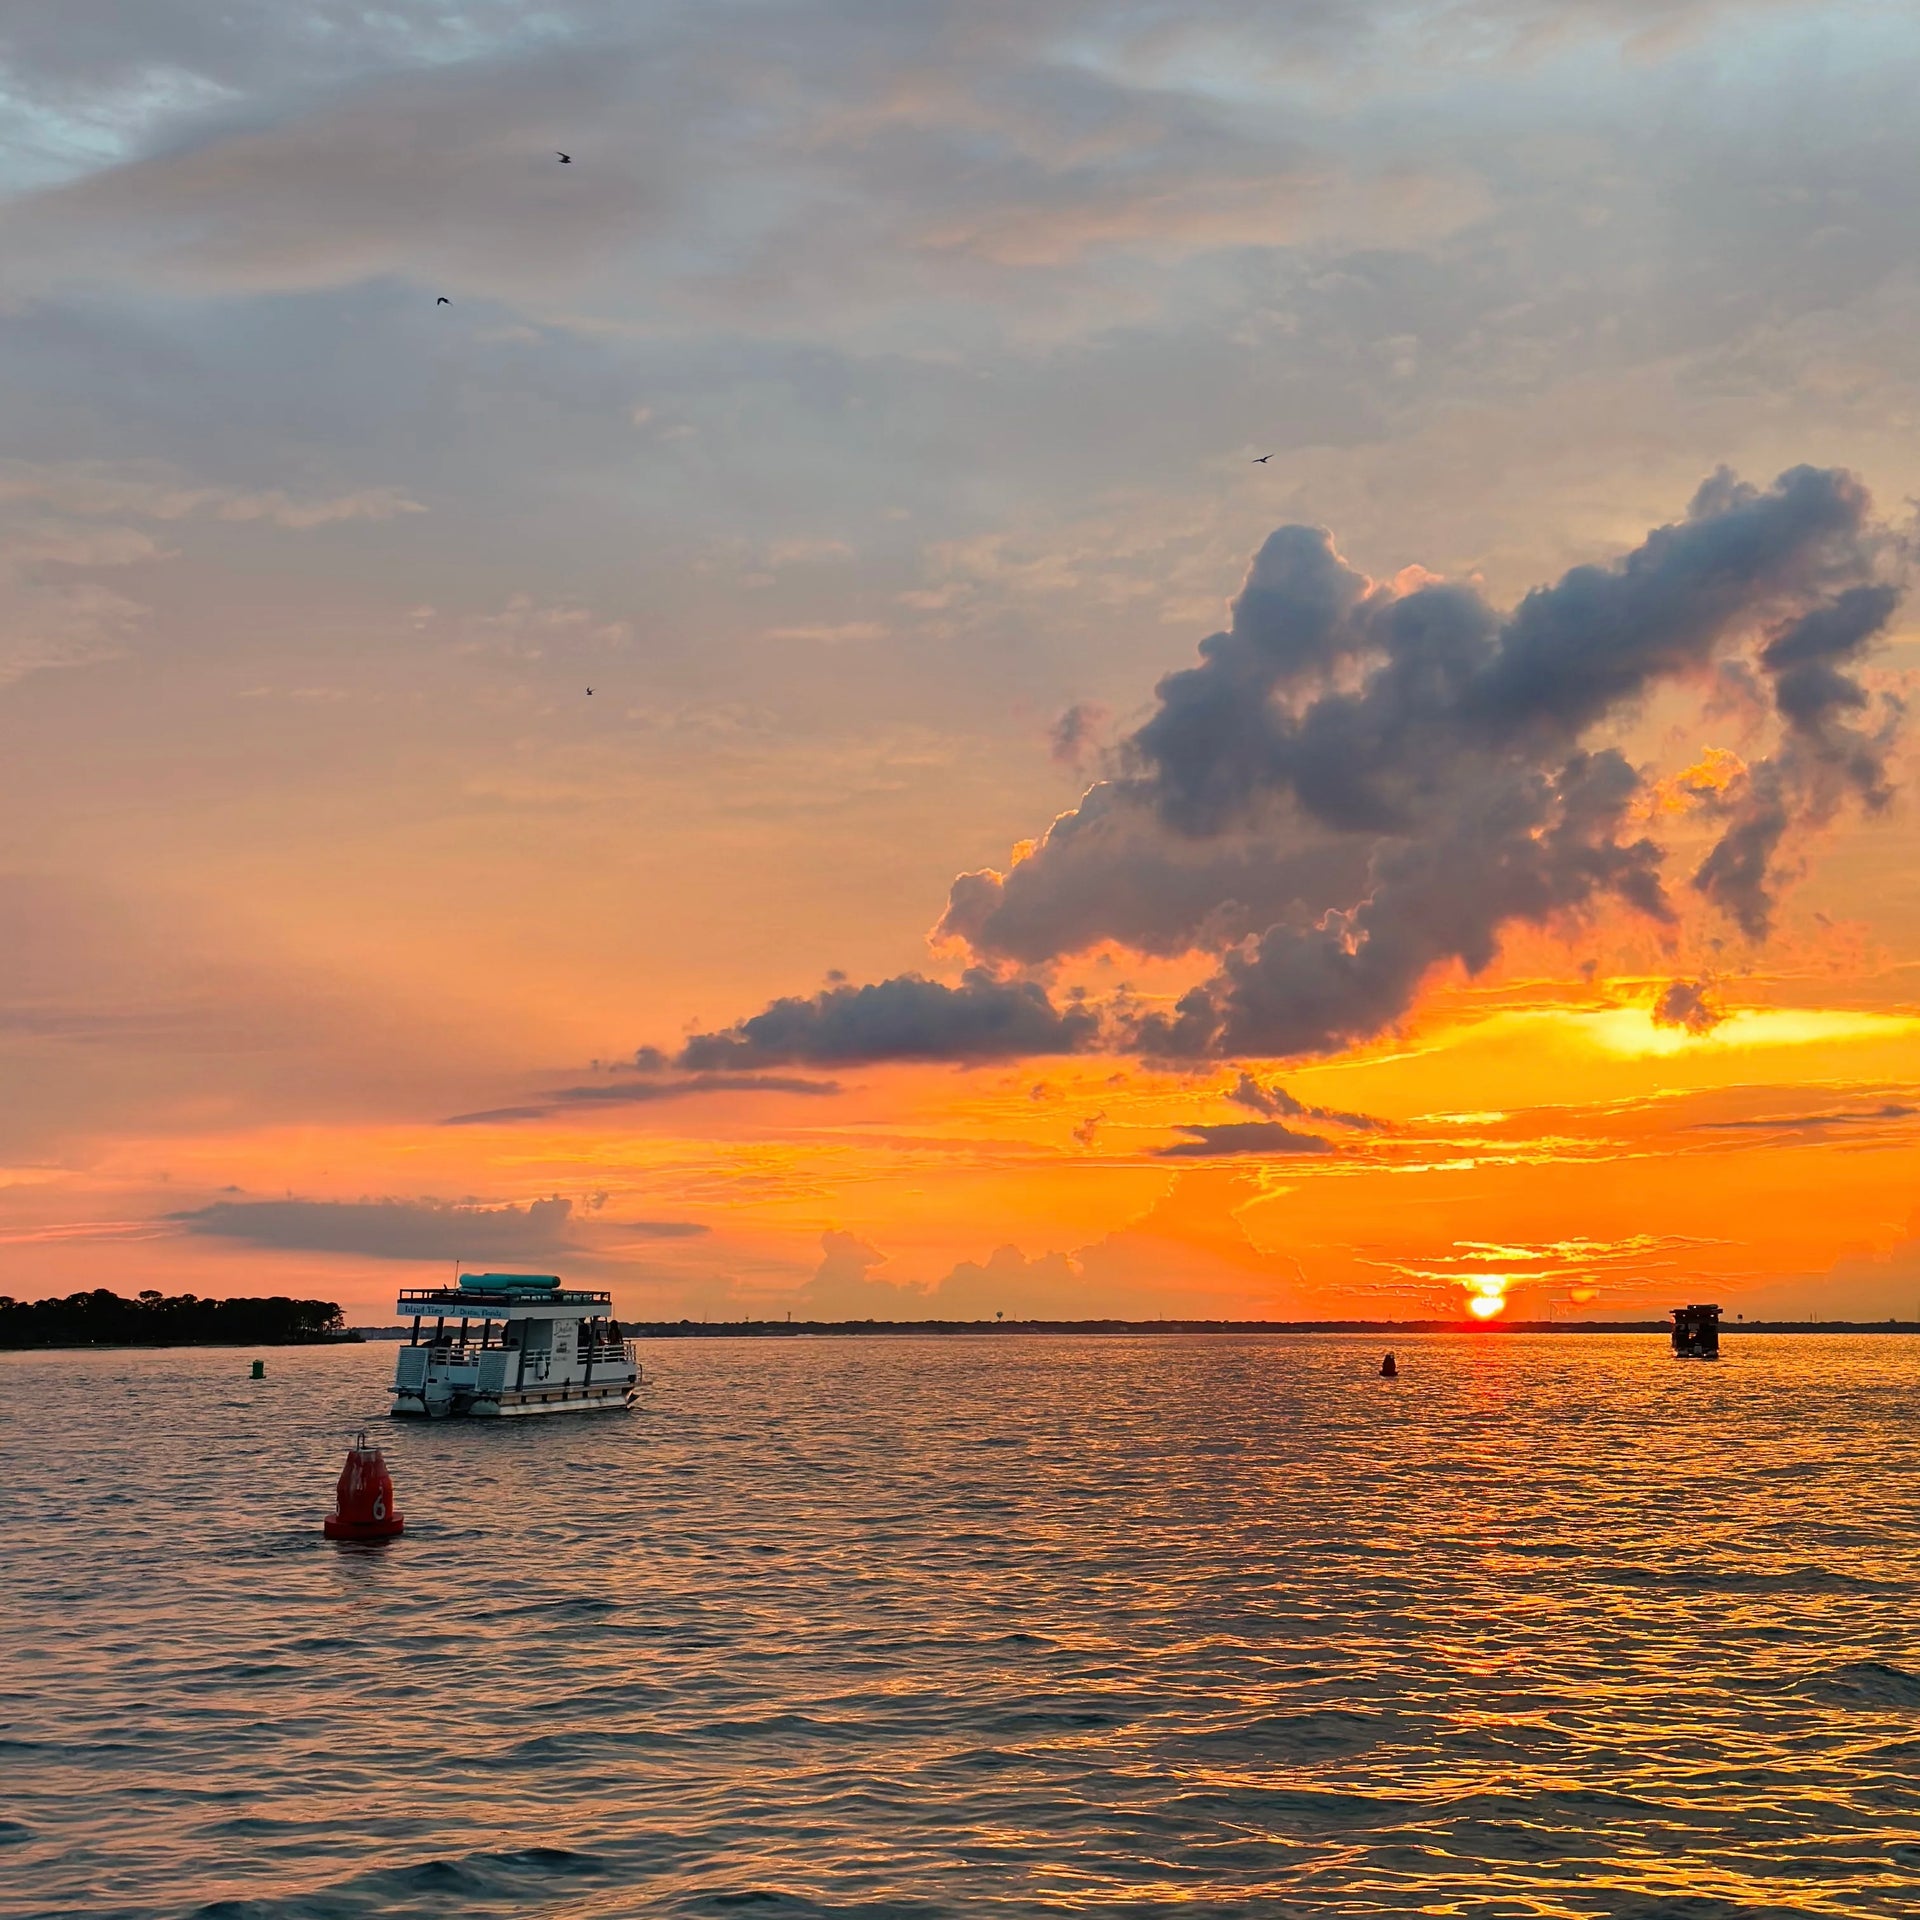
[259, 1369]
[1388, 1371]
[363, 1506]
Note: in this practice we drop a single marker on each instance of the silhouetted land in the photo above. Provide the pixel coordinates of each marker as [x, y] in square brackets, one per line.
[103, 1319]
[774, 1329]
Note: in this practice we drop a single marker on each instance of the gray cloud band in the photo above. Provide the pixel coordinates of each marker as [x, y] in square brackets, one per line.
[408, 1229]
[1358, 784]
[906, 1018]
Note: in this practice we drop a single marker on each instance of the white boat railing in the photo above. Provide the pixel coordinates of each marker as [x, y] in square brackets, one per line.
[493, 1369]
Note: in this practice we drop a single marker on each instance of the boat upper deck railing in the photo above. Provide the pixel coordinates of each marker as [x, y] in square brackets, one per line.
[425, 1300]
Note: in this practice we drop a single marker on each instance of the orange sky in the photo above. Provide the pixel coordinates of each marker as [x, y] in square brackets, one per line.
[860, 404]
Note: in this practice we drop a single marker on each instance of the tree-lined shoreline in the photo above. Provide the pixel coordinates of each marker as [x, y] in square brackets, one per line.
[152, 1319]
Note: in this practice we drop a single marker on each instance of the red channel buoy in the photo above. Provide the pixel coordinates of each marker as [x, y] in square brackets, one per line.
[363, 1506]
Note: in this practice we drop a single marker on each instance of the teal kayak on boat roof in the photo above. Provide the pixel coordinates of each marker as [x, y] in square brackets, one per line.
[510, 1283]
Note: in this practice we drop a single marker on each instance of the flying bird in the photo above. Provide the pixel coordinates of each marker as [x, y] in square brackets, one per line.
[565, 159]
[589, 693]
[443, 301]
[1260, 460]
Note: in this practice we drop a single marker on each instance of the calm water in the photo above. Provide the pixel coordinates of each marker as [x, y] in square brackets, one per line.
[1548, 1627]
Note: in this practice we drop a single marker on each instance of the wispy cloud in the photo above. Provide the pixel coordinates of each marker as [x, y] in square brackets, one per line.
[408, 1229]
[1277, 1103]
[626, 1092]
[103, 489]
[1799, 1122]
[1234, 1138]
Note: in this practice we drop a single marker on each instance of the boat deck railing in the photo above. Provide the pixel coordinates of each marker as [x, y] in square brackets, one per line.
[449, 1352]
[424, 1300]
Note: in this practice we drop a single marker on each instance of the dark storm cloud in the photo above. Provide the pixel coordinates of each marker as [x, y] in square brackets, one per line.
[1113, 873]
[1277, 1103]
[406, 1229]
[636, 1093]
[1821, 758]
[1574, 652]
[906, 1018]
[1237, 1137]
[1357, 784]
[1420, 767]
[1687, 1003]
[1804, 656]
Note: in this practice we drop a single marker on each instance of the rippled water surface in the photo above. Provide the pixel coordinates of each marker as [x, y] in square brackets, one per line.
[920, 1626]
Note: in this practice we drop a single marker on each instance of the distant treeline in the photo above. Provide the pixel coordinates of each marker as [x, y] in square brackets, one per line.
[103, 1319]
[774, 1329]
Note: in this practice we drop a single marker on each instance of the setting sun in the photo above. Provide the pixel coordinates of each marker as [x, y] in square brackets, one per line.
[1486, 1294]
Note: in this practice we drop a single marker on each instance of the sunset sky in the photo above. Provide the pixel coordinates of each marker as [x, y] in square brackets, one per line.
[1018, 854]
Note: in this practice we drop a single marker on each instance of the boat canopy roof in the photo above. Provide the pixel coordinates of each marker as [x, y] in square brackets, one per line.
[510, 1282]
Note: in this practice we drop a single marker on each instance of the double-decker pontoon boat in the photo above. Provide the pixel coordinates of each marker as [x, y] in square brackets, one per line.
[511, 1343]
[1696, 1332]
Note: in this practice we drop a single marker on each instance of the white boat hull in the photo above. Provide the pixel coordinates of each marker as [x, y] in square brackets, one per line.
[615, 1397]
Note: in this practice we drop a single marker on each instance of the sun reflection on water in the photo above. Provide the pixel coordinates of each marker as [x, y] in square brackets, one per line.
[966, 1624]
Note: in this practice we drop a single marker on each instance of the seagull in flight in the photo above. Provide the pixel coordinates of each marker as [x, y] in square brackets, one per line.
[1261, 460]
[443, 301]
[565, 159]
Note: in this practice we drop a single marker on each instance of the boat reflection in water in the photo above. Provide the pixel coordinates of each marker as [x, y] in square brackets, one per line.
[511, 1343]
